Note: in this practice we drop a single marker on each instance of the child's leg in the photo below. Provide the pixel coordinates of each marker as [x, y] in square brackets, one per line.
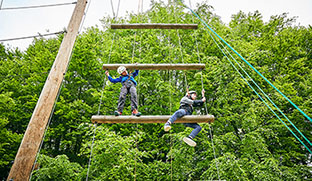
[196, 129]
[179, 113]
[122, 98]
[134, 98]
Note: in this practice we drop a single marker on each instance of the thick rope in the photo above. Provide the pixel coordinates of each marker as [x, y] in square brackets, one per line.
[250, 65]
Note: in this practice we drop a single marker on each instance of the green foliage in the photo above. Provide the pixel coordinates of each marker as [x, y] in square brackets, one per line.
[249, 142]
[58, 168]
[8, 139]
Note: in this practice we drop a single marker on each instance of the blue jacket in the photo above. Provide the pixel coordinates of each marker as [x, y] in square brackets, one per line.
[124, 78]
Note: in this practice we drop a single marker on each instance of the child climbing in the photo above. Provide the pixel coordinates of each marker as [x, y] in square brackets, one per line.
[186, 108]
[128, 86]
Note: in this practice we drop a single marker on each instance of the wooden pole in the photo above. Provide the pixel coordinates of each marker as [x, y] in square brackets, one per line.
[28, 149]
[156, 66]
[154, 26]
[151, 119]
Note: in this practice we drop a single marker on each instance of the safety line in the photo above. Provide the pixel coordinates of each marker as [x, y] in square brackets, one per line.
[90, 158]
[250, 65]
[104, 83]
[206, 109]
[266, 95]
[46, 129]
[260, 96]
[262, 91]
[85, 15]
[35, 36]
[39, 6]
[180, 44]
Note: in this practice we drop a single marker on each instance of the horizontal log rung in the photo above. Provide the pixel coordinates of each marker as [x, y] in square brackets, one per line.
[154, 26]
[151, 119]
[155, 66]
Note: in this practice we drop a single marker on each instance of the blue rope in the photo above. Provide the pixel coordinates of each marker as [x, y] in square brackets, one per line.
[251, 65]
[260, 95]
[255, 84]
[263, 91]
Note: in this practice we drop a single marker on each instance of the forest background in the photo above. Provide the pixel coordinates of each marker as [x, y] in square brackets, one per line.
[249, 142]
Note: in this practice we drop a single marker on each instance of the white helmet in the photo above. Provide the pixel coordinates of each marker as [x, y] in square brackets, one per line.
[121, 69]
[190, 92]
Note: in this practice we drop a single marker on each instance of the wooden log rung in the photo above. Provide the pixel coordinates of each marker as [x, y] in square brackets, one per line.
[154, 26]
[151, 119]
[155, 66]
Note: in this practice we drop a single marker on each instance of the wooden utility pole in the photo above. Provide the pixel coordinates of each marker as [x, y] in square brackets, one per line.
[28, 149]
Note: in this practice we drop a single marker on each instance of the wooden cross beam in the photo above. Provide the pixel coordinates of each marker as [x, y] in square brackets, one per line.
[151, 119]
[155, 66]
[154, 26]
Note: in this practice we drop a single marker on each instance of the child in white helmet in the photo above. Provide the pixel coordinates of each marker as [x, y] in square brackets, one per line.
[186, 108]
[128, 86]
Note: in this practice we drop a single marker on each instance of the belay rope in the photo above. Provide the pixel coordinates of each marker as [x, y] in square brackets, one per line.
[102, 92]
[206, 110]
[243, 77]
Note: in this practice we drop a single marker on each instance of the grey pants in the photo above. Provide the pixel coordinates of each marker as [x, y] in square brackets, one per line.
[128, 87]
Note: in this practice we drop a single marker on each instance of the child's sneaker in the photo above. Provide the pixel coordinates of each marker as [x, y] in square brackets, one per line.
[188, 140]
[167, 126]
[117, 113]
[136, 113]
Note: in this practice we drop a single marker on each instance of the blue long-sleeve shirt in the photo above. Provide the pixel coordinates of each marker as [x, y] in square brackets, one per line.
[124, 78]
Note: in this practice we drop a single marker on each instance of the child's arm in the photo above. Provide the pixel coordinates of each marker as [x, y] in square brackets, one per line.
[112, 79]
[203, 95]
[198, 103]
[135, 73]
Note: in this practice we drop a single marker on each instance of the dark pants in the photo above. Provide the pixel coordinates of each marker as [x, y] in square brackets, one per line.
[180, 113]
[128, 87]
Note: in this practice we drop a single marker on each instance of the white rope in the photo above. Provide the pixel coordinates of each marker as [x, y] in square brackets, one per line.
[202, 83]
[84, 17]
[99, 108]
[180, 44]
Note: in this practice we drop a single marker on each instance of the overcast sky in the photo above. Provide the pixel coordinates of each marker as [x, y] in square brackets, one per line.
[29, 22]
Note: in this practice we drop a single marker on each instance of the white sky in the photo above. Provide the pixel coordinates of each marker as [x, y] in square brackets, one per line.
[29, 22]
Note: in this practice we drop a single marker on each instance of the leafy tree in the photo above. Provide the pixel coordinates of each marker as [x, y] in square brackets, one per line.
[247, 142]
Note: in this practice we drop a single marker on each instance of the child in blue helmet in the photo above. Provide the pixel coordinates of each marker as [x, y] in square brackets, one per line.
[128, 86]
[186, 108]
